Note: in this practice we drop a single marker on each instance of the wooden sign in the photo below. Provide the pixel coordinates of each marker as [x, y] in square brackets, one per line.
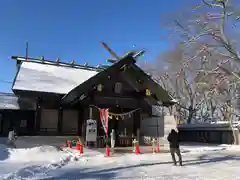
[91, 130]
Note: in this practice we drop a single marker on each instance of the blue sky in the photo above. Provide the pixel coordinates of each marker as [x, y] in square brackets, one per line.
[73, 29]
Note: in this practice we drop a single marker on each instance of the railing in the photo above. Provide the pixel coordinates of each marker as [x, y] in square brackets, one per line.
[122, 141]
[72, 131]
[48, 131]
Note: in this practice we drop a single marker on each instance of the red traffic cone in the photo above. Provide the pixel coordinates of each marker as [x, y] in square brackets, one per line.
[107, 151]
[81, 149]
[157, 148]
[77, 146]
[70, 144]
[137, 151]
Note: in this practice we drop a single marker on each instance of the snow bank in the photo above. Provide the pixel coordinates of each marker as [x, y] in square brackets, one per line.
[4, 152]
[41, 153]
[231, 147]
[87, 152]
[201, 148]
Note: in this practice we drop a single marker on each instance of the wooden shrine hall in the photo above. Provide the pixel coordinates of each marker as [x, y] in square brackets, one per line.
[122, 88]
[66, 95]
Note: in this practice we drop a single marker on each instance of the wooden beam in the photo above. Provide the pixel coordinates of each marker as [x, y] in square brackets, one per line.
[85, 87]
[132, 82]
[116, 102]
[137, 86]
[124, 94]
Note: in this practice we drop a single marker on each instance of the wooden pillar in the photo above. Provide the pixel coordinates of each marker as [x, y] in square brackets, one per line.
[38, 116]
[1, 123]
[60, 120]
[85, 116]
[136, 123]
[80, 121]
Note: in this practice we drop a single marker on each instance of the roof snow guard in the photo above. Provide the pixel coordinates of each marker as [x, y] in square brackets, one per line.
[50, 77]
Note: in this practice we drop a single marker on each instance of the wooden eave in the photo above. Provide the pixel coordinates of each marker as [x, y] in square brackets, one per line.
[131, 73]
[86, 87]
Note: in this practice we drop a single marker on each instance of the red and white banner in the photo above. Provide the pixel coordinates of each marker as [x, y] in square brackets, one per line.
[104, 120]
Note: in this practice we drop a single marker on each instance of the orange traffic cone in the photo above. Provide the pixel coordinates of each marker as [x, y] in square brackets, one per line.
[77, 146]
[107, 151]
[157, 148]
[81, 149]
[137, 151]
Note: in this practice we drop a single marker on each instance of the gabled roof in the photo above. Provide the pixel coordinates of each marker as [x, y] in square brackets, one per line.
[47, 77]
[138, 79]
[82, 89]
[146, 82]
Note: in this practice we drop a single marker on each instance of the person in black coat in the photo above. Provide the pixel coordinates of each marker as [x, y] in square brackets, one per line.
[173, 139]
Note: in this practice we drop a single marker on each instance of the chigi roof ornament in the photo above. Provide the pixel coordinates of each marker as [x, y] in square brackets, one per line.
[133, 53]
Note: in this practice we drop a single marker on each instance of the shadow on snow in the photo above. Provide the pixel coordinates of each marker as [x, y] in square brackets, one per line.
[110, 173]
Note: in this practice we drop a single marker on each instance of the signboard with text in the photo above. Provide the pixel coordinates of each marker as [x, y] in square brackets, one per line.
[91, 130]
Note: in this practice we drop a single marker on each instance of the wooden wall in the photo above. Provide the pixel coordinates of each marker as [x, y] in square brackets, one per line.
[207, 136]
[23, 121]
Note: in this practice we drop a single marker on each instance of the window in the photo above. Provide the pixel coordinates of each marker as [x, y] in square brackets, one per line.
[118, 87]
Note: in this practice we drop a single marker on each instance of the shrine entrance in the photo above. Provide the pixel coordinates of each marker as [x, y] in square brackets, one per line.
[124, 122]
[126, 92]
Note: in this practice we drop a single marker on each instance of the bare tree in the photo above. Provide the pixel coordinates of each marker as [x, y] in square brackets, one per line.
[207, 29]
[179, 78]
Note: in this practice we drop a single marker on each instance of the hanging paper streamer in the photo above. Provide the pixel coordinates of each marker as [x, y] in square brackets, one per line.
[104, 120]
[111, 115]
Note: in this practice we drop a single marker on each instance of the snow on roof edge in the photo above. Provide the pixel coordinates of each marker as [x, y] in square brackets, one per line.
[41, 77]
[62, 64]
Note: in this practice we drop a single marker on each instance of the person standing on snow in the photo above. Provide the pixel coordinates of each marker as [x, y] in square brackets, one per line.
[12, 138]
[173, 139]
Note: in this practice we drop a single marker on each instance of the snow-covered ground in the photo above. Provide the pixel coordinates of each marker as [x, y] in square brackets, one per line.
[48, 162]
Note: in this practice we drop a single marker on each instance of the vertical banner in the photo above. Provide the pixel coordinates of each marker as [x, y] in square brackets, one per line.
[104, 120]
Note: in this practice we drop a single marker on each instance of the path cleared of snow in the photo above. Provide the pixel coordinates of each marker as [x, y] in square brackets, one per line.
[197, 166]
[49, 163]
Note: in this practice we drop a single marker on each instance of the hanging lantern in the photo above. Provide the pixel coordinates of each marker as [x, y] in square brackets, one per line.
[116, 117]
[148, 92]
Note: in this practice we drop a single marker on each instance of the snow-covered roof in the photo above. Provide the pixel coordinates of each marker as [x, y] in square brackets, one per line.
[8, 101]
[45, 77]
[12, 102]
